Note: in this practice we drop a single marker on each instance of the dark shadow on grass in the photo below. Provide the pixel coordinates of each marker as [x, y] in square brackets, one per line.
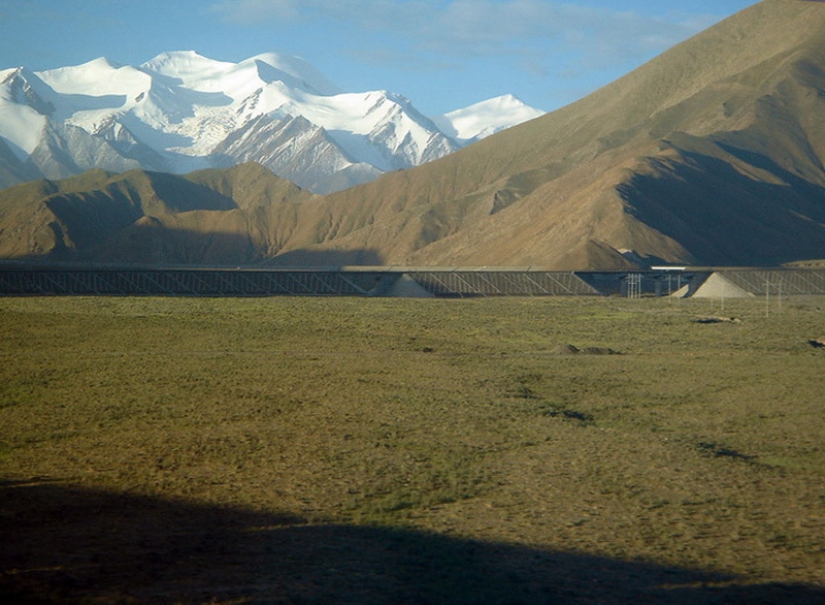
[70, 544]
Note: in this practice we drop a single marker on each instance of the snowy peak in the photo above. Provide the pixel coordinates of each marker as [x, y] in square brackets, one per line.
[22, 86]
[24, 111]
[482, 119]
[185, 65]
[181, 111]
[197, 72]
[299, 70]
[96, 79]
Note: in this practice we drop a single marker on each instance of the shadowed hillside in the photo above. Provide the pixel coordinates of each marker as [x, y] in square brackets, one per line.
[213, 216]
[712, 153]
[742, 98]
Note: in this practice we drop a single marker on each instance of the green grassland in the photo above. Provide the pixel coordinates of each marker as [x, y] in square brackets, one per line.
[317, 450]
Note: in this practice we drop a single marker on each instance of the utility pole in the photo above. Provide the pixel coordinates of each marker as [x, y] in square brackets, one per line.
[778, 286]
[634, 285]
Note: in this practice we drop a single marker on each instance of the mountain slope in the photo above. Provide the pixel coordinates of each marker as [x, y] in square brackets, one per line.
[712, 153]
[180, 112]
[211, 216]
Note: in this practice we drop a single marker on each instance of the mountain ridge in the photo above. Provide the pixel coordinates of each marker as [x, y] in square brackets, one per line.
[710, 154]
[591, 142]
[178, 111]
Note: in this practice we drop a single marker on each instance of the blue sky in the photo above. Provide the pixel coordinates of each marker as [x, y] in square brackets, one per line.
[442, 54]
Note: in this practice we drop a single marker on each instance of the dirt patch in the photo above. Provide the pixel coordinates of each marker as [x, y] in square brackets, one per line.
[719, 320]
[569, 349]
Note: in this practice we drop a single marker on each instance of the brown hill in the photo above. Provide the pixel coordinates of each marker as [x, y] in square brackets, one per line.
[712, 154]
[213, 216]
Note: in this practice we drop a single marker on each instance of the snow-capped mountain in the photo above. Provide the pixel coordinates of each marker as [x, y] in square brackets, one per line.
[480, 120]
[181, 112]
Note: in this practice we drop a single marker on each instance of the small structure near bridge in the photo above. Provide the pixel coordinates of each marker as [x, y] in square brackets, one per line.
[757, 282]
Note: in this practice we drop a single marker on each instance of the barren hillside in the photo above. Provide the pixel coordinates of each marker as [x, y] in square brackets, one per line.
[711, 153]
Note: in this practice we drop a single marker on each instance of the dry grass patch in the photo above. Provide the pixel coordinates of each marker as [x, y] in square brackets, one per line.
[442, 434]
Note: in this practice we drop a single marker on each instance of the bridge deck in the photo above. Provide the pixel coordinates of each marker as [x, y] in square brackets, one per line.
[294, 282]
[18, 280]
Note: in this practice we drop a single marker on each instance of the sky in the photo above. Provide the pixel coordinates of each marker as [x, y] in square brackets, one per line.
[441, 54]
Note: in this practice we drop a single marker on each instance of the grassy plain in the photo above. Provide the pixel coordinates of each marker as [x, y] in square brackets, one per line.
[300, 450]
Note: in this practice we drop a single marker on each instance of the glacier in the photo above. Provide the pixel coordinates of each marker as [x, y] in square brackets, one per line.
[181, 111]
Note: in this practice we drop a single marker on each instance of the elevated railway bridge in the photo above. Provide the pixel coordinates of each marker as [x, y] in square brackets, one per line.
[17, 279]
